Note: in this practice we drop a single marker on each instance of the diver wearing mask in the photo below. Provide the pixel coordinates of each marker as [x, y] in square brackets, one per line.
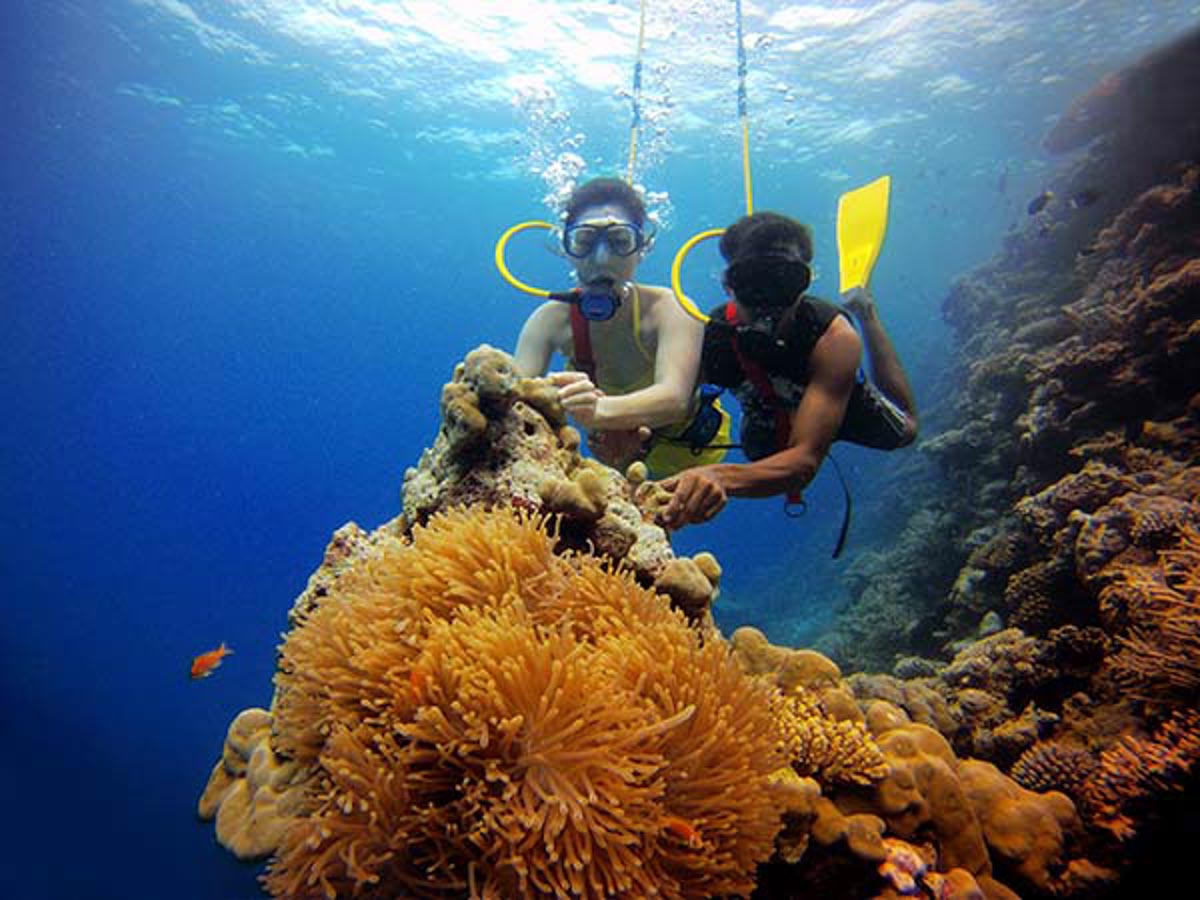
[634, 353]
[792, 361]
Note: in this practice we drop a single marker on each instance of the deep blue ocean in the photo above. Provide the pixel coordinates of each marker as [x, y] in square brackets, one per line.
[243, 244]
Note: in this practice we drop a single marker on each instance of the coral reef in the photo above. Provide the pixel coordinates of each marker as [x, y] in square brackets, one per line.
[1064, 646]
[481, 702]
[253, 794]
[516, 688]
[1160, 657]
[467, 711]
[1135, 772]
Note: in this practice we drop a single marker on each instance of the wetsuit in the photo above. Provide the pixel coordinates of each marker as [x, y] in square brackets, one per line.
[783, 350]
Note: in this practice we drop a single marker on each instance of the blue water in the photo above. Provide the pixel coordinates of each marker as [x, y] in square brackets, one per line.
[242, 245]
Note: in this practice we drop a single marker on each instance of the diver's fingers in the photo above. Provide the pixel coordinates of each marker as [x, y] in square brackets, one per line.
[580, 401]
[681, 498]
[561, 379]
[715, 502]
[577, 389]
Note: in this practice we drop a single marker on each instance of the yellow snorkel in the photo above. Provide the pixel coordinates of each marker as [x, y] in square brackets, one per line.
[502, 264]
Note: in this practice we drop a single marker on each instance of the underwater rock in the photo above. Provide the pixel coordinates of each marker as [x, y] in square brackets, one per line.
[1154, 95]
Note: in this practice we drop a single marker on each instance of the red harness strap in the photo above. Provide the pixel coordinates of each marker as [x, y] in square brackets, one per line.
[584, 361]
[758, 377]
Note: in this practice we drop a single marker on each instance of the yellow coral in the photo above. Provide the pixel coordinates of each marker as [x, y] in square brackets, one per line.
[253, 794]
[829, 750]
[787, 666]
[475, 713]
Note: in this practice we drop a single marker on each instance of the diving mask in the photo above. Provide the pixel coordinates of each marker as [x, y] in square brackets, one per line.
[622, 238]
[768, 282]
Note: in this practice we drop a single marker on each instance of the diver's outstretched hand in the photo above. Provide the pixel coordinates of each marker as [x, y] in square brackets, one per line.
[861, 303]
[697, 495]
[578, 395]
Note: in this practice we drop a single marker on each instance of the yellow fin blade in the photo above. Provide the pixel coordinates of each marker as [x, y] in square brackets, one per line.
[861, 227]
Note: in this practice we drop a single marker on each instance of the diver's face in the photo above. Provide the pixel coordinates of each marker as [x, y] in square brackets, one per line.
[764, 286]
[602, 260]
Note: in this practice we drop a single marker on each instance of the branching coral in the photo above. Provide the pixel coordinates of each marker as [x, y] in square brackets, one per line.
[1136, 772]
[1161, 658]
[477, 713]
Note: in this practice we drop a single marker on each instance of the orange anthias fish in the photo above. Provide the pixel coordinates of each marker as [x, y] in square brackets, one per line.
[680, 828]
[203, 665]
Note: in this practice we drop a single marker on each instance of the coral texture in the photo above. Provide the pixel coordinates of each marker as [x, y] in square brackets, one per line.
[832, 751]
[1068, 433]
[253, 794]
[1160, 658]
[1136, 772]
[1055, 766]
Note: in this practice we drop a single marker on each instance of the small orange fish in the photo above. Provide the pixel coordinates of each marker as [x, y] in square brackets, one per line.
[677, 827]
[203, 665]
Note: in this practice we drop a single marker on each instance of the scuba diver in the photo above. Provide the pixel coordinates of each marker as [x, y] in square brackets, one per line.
[634, 352]
[792, 361]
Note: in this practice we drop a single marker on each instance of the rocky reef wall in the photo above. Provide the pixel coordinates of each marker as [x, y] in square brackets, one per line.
[1064, 643]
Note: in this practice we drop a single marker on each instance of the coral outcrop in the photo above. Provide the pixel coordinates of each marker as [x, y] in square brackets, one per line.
[516, 688]
[505, 441]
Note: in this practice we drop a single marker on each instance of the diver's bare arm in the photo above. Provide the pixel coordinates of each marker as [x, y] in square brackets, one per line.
[536, 344]
[815, 423]
[676, 369]
[886, 370]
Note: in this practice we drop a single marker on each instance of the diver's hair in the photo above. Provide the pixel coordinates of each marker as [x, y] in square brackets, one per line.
[605, 190]
[764, 233]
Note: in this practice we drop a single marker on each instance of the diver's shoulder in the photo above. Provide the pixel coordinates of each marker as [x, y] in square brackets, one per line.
[552, 312]
[659, 302]
[654, 292]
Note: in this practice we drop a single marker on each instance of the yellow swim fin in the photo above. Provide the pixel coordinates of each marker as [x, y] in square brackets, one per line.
[861, 226]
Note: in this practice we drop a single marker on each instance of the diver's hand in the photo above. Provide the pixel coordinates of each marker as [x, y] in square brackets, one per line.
[860, 303]
[697, 495]
[578, 396]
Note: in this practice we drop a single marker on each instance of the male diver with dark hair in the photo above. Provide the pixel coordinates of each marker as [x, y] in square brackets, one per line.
[635, 353]
[792, 361]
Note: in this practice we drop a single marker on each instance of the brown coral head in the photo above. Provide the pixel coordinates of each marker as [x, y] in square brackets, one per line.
[490, 373]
